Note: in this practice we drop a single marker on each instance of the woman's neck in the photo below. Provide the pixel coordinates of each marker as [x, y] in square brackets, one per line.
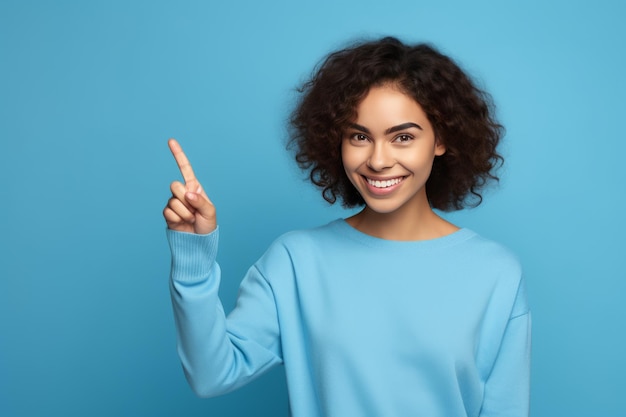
[404, 225]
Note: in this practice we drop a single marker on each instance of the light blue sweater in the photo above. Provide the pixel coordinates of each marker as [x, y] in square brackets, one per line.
[363, 326]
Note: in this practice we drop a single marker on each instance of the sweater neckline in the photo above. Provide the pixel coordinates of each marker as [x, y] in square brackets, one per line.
[454, 238]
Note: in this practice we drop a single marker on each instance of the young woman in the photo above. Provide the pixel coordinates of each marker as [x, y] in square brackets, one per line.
[393, 311]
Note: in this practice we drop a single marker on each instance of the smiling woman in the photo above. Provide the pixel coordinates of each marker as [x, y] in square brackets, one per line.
[393, 311]
[460, 114]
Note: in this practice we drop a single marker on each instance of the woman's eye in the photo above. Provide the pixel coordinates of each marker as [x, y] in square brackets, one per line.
[403, 138]
[359, 137]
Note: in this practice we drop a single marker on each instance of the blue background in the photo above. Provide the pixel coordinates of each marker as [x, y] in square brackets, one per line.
[90, 92]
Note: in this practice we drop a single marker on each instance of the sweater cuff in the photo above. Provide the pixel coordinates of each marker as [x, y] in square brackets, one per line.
[193, 255]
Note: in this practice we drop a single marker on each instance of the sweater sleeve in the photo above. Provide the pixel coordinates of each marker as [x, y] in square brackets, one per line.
[219, 354]
[507, 390]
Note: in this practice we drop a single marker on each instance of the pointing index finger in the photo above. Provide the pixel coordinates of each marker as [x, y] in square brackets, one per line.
[181, 160]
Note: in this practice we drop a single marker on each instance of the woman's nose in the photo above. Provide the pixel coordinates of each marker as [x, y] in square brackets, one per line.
[380, 158]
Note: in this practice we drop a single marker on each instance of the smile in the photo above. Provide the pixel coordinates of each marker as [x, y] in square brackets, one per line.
[384, 183]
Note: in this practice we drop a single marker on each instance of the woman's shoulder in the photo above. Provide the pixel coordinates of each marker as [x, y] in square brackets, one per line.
[324, 234]
[300, 246]
[506, 266]
[496, 253]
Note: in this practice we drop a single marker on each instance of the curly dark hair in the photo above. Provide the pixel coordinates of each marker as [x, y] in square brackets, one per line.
[461, 114]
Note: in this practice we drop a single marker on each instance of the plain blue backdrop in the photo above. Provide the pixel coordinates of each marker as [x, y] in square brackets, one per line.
[90, 92]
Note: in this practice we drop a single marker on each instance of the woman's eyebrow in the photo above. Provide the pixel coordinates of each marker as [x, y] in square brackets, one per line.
[388, 131]
[402, 127]
[359, 127]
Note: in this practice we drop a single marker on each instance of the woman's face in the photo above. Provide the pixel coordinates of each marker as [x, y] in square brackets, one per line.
[389, 149]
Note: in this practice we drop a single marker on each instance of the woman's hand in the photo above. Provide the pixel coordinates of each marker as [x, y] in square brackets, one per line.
[189, 209]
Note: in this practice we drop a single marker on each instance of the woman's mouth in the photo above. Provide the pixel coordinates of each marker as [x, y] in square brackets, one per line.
[382, 187]
[384, 183]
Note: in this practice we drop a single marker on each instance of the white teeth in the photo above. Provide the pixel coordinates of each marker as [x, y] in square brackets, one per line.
[383, 184]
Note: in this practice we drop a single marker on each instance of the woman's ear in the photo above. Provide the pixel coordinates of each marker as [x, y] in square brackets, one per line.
[440, 148]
